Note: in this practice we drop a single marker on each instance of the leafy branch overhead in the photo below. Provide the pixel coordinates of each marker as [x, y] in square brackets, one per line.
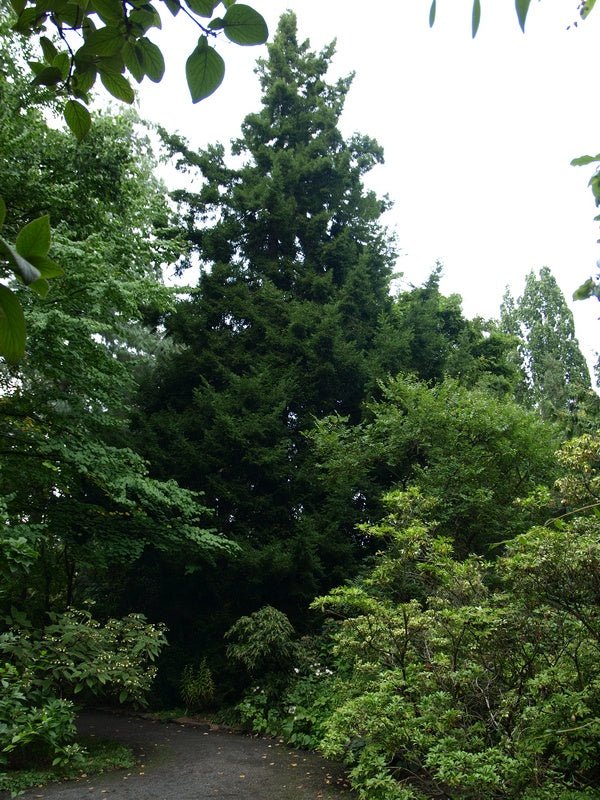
[86, 40]
[82, 41]
[28, 261]
[521, 7]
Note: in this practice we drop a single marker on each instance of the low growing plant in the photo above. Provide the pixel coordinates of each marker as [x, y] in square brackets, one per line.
[42, 671]
[197, 686]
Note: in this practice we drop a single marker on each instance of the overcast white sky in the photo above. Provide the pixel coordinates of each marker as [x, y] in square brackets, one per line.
[478, 134]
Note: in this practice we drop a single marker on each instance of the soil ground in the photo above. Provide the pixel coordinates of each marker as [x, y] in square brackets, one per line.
[183, 762]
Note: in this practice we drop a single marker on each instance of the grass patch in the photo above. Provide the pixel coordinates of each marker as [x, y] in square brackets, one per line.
[100, 756]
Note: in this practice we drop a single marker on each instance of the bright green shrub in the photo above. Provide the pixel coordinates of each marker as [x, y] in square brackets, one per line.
[468, 678]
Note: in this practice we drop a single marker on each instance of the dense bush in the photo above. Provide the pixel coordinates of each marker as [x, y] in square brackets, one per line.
[41, 671]
[469, 678]
[458, 678]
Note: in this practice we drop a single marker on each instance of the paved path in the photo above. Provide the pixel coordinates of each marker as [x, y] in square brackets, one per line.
[178, 762]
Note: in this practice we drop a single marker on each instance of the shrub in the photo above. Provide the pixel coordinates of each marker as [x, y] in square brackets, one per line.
[262, 641]
[41, 671]
[197, 687]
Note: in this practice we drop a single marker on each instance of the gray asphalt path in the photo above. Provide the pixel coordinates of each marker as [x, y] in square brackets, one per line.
[178, 762]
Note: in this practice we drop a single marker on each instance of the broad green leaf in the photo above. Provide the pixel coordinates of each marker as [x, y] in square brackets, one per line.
[204, 70]
[34, 238]
[87, 27]
[204, 8]
[28, 18]
[40, 287]
[19, 265]
[583, 161]
[145, 18]
[133, 58]
[522, 7]
[586, 8]
[47, 268]
[12, 326]
[111, 64]
[2, 211]
[71, 15]
[432, 11]
[118, 86]
[585, 290]
[476, 17]
[77, 118]
[215, 24]
[36, 67]
[108, 10]
[49, 76]
[173, 6]
[48, 49]
[18, 6]
[243, 25]
[63, 63]
[152, 59]
[124, 694]
[228, 3]
[84, 79]
[103, 42]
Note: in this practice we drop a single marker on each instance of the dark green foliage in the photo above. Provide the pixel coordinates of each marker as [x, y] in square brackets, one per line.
[465, 678]
[262, 642]
[197, 687]
[78, 509]
[477, 454]
[97, 757]
[88, 508]
[278, 331]
[426, 334]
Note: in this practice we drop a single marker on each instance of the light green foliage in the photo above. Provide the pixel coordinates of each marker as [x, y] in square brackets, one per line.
[197, 687]
[479, 679]
[580, 459]
[555, 376]
[33, 726]
[473, 452]
[298, 705]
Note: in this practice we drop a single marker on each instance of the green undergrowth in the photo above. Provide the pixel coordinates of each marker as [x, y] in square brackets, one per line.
[98, 756]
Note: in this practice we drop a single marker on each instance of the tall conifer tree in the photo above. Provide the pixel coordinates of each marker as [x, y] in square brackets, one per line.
[295, 272]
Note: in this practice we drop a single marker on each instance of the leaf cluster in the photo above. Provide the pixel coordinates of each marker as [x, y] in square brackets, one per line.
[82, 41]
[28, 262]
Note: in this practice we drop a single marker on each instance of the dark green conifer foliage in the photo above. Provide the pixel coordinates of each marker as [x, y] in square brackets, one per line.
[426, 334]
[296, 269]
